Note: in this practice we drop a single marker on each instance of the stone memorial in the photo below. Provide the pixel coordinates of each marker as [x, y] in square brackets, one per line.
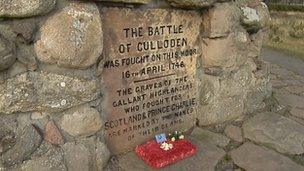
[149, 75]
[82, 81]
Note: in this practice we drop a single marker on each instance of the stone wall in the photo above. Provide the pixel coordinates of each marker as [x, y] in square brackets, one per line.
[235, 79]
[51, 82]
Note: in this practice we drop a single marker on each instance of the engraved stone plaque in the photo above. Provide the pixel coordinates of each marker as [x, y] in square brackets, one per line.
[149, 74]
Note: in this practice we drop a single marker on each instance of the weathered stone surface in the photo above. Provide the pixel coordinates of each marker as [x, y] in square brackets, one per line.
[222, 110]
[102, 155]
[297, 89]
[99, 153]
[205, 159]
[24, 120]
[28, 142]
[223, 99]
[224, 58]
[281, 72]
[191, 3]
[289, 99]
[7, 139]
[24, 29]
[210, 88]
[77, 156]
[6, 31]
[264, 15]
[233, 53]
[129, 1]
[79, 44]
[52, 134]
[25, 8]
[219, 110]
[256, 158]
[278, 83]
[220, 20]
[297, 112]
[38, 115]
[227, 97]
[250, 19]
[255, 45]
[281, 133]
[292, 82]
[39, 91]
[16, 69]
[234, 133]
[27, 56]
[151, 95]
[210, 137]
[52, 160]
[259, 89]
[8, 123]
[7, 53]
[81, 121]
[86, 154]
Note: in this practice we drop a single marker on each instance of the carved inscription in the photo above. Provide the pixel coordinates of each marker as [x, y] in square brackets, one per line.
[149, 74]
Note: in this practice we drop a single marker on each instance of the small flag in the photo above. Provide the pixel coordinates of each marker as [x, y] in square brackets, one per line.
[160, 138]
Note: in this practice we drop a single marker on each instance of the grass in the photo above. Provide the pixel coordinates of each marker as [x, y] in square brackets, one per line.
[287, 33]
[288, 47]
[285, 7]
[297, 158]
[227, 158]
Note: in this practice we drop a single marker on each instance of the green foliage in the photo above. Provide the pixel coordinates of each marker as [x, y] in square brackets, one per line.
[297, 158]
[176, 135]
[227, 158]
[285, 7]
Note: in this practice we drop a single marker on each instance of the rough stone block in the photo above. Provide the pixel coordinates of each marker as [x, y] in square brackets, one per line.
[129, 1]
[39, 91]
[257, 158]
[81, 121]
[223, 98]
[276, 131]
[191, 3]
[220, 20]
[210, 137]
[26, 144]
[25, 8]
[72, 37]
[223, 58]
[7, 53]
